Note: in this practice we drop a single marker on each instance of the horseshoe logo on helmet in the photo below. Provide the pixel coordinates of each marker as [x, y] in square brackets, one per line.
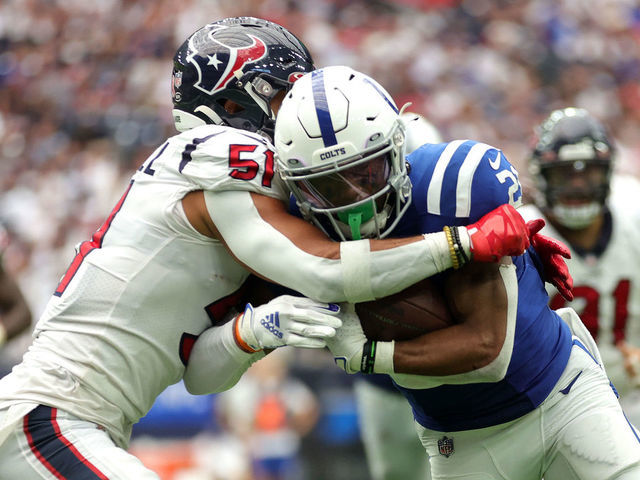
[238, 57]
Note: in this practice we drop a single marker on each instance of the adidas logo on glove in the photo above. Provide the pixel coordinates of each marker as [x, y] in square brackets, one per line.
[272, 323]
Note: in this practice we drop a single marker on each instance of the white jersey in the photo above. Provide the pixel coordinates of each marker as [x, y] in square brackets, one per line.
[143, 288]
[607, 287]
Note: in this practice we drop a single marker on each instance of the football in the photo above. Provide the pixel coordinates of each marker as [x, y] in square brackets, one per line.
[419, 309]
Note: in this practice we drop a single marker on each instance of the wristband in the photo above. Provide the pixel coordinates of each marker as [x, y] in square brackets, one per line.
[452, 248]
[457, 245]
[3, 335]
[368, 360]
[244, 346]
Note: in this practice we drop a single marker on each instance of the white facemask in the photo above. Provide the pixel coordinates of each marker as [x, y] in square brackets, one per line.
[576, 216]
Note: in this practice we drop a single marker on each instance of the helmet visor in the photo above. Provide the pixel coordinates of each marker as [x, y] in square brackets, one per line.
[349, 185]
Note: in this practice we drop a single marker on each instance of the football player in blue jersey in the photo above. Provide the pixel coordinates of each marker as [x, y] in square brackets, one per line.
[514, 390]
[392, 448]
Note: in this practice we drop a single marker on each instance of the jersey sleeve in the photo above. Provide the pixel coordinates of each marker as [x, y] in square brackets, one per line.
[221, 159]
[461, 181]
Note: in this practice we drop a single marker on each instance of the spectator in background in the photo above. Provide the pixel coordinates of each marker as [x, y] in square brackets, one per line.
[597, 213]
[15, 314]
[270, 411]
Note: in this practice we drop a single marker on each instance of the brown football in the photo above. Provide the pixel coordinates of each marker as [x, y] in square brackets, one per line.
[417, 310]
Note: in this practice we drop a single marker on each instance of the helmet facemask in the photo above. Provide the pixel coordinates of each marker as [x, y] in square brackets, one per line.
[576, 191]
[357, 195]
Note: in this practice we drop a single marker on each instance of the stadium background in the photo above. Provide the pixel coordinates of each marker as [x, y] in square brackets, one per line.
[85, 97]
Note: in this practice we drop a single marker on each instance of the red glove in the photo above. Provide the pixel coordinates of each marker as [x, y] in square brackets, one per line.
[501, 232]
[551, 252]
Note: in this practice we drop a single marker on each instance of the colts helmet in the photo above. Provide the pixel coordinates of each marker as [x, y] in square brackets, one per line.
[571, 162]
[341, 147]
[243, 59]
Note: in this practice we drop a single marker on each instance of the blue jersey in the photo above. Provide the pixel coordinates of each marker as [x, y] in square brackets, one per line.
[456, 183]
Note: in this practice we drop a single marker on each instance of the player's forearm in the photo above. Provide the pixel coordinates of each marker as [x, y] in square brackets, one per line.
[216, 362]
[482, 344]
[450, 351]
[291, 252]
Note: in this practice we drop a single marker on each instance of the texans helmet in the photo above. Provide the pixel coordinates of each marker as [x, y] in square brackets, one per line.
[244, 60]
[341, 147]
[572, 162]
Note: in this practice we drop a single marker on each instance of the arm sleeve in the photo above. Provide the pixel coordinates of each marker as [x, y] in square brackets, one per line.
[216, 363]
[358, 275]
[494, 371]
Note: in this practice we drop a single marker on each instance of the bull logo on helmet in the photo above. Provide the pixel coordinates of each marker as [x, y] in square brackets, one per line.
[216, 69]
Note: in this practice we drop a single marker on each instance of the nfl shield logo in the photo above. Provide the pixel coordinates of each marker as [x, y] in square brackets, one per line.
[445, 446]
[176, 83]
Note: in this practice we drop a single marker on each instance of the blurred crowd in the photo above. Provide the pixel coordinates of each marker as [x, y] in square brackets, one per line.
[85, 90]
[85, 87]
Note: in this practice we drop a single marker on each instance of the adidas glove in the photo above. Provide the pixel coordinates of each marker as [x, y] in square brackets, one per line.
[286, 320]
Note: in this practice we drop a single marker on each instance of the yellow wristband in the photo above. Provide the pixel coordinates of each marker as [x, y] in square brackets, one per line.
[452, 251]
[3, 335]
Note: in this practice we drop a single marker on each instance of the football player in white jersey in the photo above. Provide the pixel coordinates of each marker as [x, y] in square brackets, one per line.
[513, 390]
[597, 214]
[145, 301]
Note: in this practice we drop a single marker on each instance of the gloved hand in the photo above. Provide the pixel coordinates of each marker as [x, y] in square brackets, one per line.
[551, 252]
[286, 320]
[501, 232]
[348, 343]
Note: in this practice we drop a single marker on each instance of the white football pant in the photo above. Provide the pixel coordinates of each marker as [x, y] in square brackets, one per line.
[48, 443]
[578, 433]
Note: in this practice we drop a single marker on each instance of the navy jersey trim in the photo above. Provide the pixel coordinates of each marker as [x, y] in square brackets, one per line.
[53, 450]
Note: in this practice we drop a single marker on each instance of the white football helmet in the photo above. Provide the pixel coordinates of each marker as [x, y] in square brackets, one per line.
[418, 131]
[340, 144]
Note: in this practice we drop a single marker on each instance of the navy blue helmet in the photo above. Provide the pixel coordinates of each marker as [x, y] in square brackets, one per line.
[572, 162]
[244, 60]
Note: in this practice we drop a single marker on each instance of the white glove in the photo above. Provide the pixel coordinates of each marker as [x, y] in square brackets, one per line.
[353, 352]
[286, 320]
[349, 341]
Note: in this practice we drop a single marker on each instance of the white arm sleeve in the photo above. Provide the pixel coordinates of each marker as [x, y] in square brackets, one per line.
[216, 363]
[359, 275]
[494, 371]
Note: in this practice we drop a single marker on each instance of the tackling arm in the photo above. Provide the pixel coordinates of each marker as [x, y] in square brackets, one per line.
[260, 233]
[285, 320]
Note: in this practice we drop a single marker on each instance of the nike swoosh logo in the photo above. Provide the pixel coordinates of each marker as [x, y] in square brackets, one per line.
[565, 390]
[495, 163]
